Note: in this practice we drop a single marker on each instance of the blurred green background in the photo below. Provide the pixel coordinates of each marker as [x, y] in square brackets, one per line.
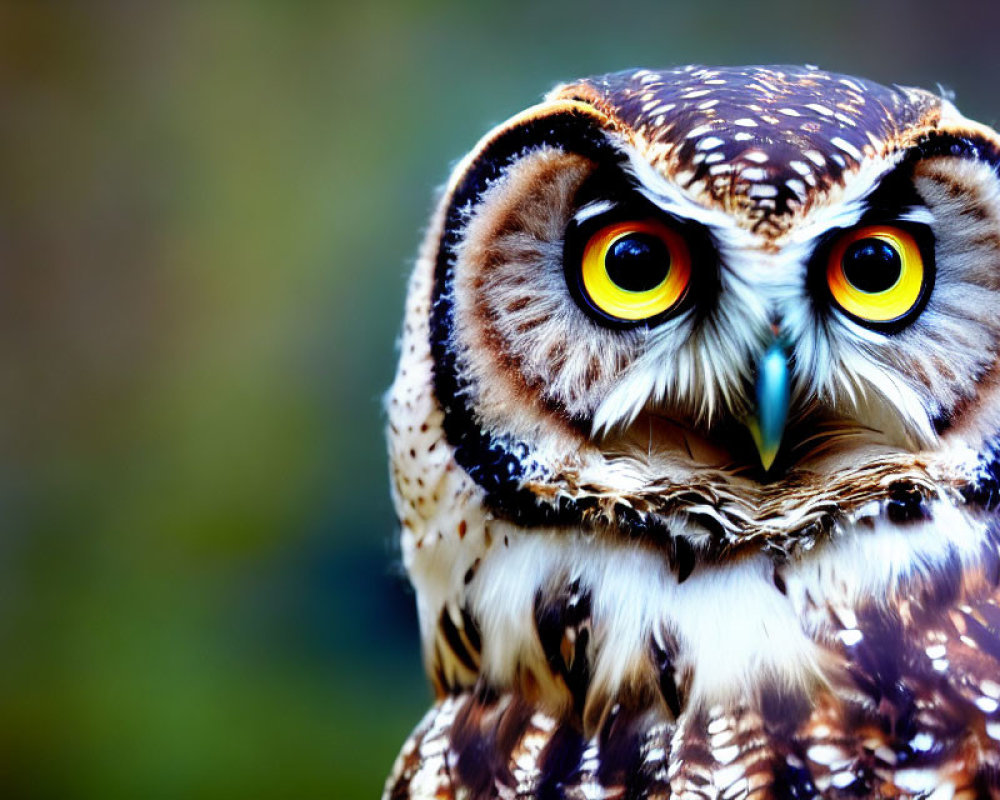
[207, 213]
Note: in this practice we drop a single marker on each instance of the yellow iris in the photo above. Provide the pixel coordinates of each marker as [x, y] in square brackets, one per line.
[669, 272]
[876, 273]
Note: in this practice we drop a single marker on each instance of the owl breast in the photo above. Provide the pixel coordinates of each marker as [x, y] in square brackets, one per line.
[694, 446]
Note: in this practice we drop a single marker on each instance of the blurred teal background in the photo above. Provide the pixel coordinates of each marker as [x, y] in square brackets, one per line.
[207, 213]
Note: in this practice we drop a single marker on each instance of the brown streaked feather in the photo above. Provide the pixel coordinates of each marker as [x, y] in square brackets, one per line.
[911, 700]
[916, 701]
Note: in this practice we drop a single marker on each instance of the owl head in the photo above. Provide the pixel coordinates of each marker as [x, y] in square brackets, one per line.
[740, 303]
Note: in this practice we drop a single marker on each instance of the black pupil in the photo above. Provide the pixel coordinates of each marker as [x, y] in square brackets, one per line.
[872, 265]
[638, 262]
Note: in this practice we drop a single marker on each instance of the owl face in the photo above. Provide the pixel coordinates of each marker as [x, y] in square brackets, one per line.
[719, 295]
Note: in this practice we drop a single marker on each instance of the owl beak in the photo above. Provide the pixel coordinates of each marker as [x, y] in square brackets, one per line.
[773, 390]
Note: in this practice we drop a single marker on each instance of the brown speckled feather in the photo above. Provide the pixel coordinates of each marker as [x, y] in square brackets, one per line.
[761, 142]
[913, 704]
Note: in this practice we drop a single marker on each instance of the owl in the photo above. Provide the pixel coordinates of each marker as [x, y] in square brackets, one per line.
[695, 446]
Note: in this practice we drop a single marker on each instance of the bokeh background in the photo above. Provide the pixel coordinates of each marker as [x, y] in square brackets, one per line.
[207, 213]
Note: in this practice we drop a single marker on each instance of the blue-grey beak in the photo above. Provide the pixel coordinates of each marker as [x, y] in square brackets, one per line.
[773, 391]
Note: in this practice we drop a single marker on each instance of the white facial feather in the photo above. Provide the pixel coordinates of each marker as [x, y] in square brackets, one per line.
[703, 371]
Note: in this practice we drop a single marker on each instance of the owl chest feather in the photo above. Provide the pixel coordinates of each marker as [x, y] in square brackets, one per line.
[871, 663]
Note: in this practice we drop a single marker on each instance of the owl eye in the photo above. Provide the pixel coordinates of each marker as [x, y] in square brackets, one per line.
[877, 274]
[635, 270]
